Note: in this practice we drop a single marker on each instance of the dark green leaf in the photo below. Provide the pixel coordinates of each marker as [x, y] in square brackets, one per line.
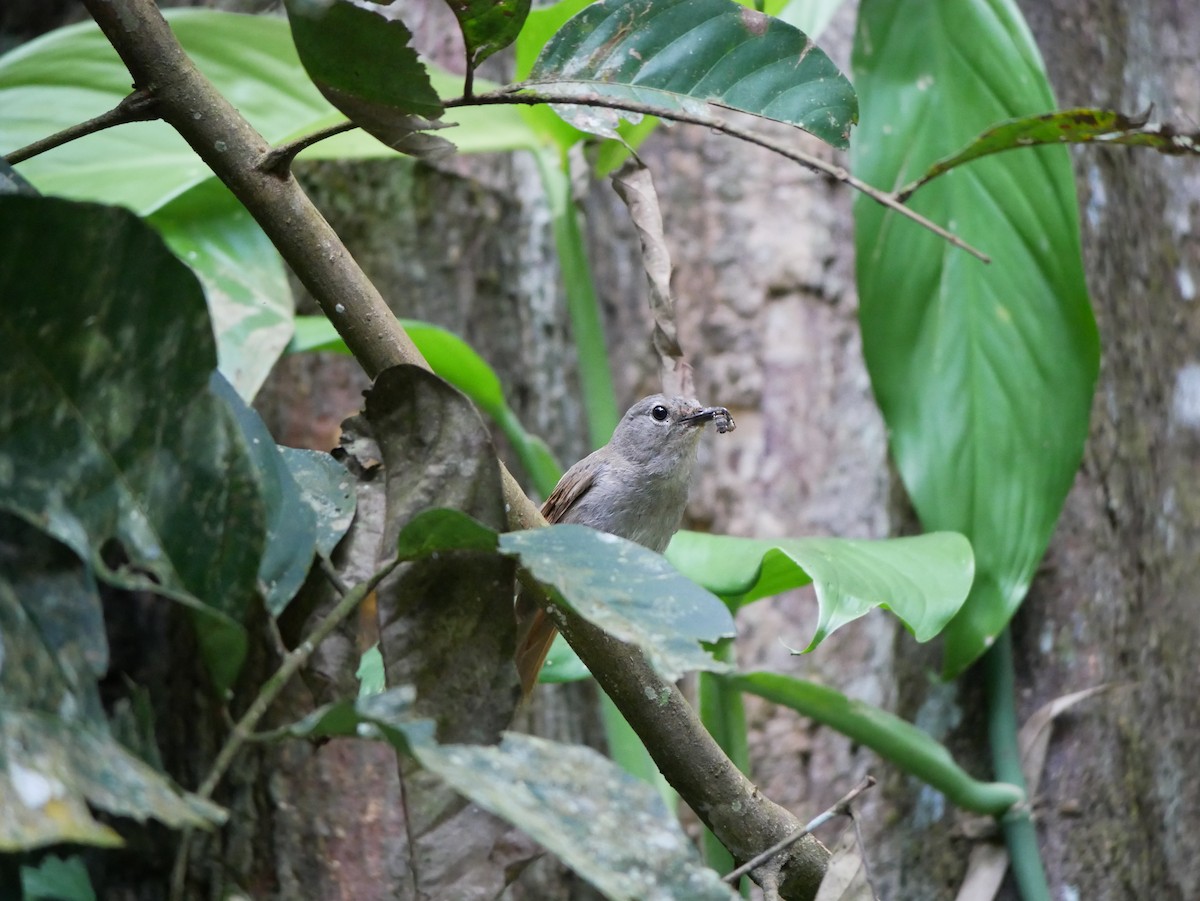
[363, 64]
[889, 736]
[110, 437]
[681, 55]
[434, 531]
[488, 25]
[57, 879]
[11, 181]
[291, 526]
[243, 276]
[923, 580]
[446, 622]
[628, 591]
[327, 489]
[57, 756]
[1073, 126]
[984, 374]
[617, 834]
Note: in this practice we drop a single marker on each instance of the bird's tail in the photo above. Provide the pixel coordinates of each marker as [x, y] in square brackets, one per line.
[534, 637]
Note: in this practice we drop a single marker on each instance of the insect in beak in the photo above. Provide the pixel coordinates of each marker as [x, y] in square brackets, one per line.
[718, 415]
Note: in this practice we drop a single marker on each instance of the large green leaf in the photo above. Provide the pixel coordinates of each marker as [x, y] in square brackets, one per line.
[73, 74]
[110, 436]
[244, 279]
[57, 755]
[648, 604]
[923, 580]
[889, 736]
[327, 489]
[681, 55]
[984, 373]
[628, 591]
[616, 834]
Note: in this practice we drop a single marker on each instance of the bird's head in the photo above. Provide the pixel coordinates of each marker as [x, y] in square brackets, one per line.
[662, 431]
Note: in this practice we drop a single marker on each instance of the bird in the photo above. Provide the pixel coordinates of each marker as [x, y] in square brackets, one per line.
[636, 487]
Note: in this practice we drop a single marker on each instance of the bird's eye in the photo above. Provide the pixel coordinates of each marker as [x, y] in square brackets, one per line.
[660, 413]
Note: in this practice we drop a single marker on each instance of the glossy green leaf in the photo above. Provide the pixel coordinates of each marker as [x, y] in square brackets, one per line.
[435, 531]
[327, 489]
[57, 756]
[244, 280]
[923, 580]
[458, 363]
[892, 738]
[617, 835]
[72, 74]
[109, 432]
[682, 55]
[984, 374]
[1073, 126]
[488, 25]
[628, 591]
[291, 524]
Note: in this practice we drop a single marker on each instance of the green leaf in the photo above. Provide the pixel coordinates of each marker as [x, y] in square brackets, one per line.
[57, 879]
[438, 530]
[628, 591]
[984, 374]
[1073, 126]
[244, 279]
[327, 489]
[488, 25]
[291, 525]
[361, 61]
[892, 738]
[681, 55]
[110, 436]
[458, 363]
[57, 756]
[617, 835]
[923, 580]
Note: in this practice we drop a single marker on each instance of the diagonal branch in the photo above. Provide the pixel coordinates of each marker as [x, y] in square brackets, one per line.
[136, 107]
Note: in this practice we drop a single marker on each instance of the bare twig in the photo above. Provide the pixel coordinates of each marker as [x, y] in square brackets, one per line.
[840, 809]
[862, 855]
[529, 97]
[278, 160]
[243, 730]
[137, 107]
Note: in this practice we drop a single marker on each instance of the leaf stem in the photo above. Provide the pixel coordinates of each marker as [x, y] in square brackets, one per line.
[139, 106]
[1020, 833]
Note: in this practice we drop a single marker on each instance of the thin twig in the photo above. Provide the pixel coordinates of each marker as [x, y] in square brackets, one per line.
[243, 731]
[840, 809]
[862, 855]
[327, 570]
[510, 96]
[139, 106]
[278, 160]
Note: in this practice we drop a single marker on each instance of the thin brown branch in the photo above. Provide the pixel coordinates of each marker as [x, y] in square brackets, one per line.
[526, 96]
[137, 107]
[691, 760]
[840, 808]
[278, 160]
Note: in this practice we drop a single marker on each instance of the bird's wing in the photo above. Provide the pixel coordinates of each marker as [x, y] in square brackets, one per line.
[570, 488]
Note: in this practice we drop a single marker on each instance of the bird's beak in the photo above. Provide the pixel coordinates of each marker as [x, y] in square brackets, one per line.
[718, 415]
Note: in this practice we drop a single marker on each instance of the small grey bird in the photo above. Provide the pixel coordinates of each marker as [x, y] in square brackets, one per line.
[636, 486]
